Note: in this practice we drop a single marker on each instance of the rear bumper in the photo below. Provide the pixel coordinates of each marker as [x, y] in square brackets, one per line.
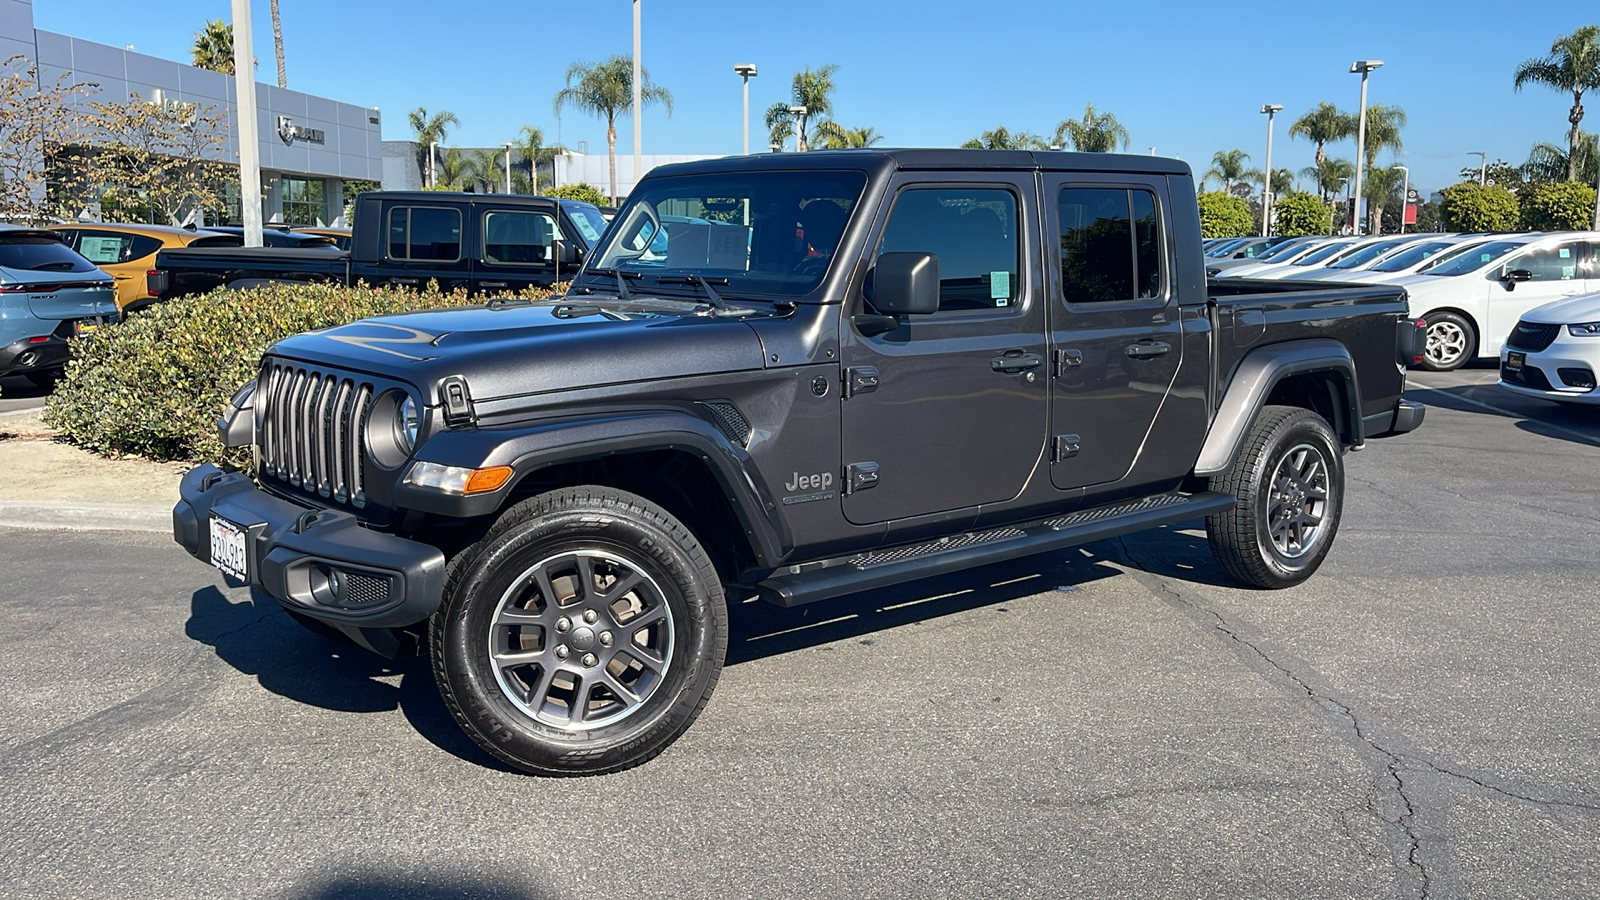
[319, 563]
[22, 358]
[1405, 417]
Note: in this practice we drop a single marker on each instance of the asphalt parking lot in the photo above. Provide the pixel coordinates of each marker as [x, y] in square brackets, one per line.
[1419, 720]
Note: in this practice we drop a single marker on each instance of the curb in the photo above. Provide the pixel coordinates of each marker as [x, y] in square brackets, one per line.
[62, 515]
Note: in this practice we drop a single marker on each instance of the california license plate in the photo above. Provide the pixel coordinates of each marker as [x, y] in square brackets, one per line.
[228, 549]
[86, 327]
[1515, 359]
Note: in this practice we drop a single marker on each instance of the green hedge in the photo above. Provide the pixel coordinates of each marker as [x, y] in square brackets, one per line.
[1300, 215]
[1472, 207]
[1563, 206]
[154, 385]
[1224, 216]
[583, 191]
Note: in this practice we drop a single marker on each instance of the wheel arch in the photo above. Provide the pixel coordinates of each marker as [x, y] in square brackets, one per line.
[1472, 321]
[1318, 374]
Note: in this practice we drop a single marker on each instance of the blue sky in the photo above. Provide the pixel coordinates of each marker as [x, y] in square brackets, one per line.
[1186, 78]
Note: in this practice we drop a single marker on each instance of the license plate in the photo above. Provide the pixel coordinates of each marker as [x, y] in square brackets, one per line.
[228, 549]
[1514, 359]
[86, 327]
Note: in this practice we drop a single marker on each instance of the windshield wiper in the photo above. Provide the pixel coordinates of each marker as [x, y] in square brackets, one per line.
[717, 302]
[622, 279]
[64, 265]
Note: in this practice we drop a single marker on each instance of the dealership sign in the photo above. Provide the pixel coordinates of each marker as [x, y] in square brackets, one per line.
[290, 132]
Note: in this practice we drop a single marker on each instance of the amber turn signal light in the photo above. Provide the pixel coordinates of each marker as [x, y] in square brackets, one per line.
[484, 480]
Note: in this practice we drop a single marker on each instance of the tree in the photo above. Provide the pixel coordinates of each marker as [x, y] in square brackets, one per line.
[812, 89]
[1383, 130]
[1094, 133]
[1322, 126]
[1224, 216]
[1381, 188]
[39, 178]
[1428, 218]
[1227, 166]
[1563, 206]
[1002, 138]
[1498, 172]
[605, 89]
[160, 163]
[1330, 174]
[531, 153]
[1549, 163]
[277, 45]
[486, 169]
[837, 137]
[213, 47]
[456, 170]
[587, 193]
[1573, 65]
[429, 130]
[1300, 214]
[1470, 206]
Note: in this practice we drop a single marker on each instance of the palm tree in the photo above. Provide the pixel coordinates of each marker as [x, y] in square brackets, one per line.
[1573, 65]
[455, 169]
[837, 137]
[277, 44]
[1227, 166]
[1381, 187]
[813, 89]
[486, 170]
[1383, 130]
[1282, 182]
[1094, 133]
[533, 152]
[605, 89]
[213, 47]
[1549, 162]
[429, 130]
[1003, 139]
[1322, 126]
[1330, 176]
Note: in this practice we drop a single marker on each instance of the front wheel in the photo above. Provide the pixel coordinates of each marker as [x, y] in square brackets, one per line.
[1289, 485]
[582, 635]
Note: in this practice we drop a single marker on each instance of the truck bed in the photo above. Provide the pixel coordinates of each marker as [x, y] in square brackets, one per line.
[197, 271]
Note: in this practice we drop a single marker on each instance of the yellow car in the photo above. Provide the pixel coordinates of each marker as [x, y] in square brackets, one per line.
[127, 252]
[340, 236]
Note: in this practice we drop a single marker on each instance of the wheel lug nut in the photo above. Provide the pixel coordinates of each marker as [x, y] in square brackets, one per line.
[563, 624]
[589, 659]
[562, 651]
[591, 616]
[605, 638]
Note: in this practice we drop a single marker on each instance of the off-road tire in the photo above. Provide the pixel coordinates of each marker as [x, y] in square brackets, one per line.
[1443, 350]
[1243, 539]
[611, 528]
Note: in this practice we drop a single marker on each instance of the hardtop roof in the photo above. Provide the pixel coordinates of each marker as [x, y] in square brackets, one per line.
[875, 160]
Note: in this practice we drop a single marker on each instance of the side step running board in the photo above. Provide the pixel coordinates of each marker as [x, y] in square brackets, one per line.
[822, 580]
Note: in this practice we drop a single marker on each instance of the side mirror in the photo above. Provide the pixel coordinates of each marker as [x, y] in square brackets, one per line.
[568, 253]
[906, 284]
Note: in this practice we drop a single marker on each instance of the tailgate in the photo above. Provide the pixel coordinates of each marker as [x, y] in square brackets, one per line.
[72, 301]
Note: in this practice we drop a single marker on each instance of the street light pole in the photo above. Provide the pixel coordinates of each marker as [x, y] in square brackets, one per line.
[244, 86]
[638, 111]
[1483, 165]
[433, 152]
[799, 113]
[748, 70]
[508, 145]
[1405, 197]
[1271, 110]
[1364, 67]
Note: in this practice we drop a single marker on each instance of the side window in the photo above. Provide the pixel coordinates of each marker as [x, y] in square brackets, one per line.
[104, 247]
[424, 233]
[1110, 245]
[1550, 264]
[518, 238]
[973, 231]
[143, 246]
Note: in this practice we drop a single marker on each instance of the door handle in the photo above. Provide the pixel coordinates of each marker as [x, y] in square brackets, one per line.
[492, 284]
[1014, 364]
[405, 280]
[1147, 349]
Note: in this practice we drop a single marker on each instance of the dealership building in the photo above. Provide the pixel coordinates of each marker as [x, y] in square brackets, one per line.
[309, 146]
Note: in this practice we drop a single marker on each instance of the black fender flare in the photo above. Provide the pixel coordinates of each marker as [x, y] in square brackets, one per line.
[536, 445]
[1253, 380]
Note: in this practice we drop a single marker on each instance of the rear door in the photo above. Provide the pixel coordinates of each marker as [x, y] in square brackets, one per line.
[947, 411]
[423, 242]
[1115, 326]
[1556, 271]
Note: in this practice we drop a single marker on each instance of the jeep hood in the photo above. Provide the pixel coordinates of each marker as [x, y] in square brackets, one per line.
[530, 349]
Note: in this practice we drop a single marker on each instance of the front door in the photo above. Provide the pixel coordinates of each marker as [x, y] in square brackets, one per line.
[1555, 271]
[519, 251]
[947, 411]
[1115, 328]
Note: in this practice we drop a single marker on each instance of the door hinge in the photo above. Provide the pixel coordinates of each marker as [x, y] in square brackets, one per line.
[1065, 446]
[860, 380]
[457, 401]
[860, 476]
[1067, 359]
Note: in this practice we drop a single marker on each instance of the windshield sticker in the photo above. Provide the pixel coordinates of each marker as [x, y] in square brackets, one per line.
[1566, 253]
[1000, 287]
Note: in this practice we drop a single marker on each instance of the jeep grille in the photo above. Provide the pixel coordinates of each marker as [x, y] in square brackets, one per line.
[311, 431]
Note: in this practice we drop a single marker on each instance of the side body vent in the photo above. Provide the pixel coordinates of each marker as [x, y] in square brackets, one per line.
[729, 420]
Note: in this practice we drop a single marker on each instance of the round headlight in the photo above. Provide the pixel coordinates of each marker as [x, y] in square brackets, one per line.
[410, 422]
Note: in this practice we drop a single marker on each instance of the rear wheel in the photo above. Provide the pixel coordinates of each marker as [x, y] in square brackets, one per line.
[1289, 485]
[1451, 341]
[582, 635]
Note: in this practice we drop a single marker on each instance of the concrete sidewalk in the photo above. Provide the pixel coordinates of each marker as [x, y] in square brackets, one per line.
[52, 485]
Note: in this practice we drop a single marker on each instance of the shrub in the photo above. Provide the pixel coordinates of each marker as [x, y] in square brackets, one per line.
[1299, 215]
[154, 384]
[1469, 206]
[1564, 206]
[584, 191]
[1224, 216]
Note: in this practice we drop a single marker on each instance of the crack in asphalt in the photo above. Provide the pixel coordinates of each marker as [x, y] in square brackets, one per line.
[1393, 761]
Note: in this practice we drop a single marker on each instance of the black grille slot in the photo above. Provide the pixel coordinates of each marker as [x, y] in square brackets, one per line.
[312, 428]
[1532, 336]
[730, 421]
[364, 590]
[1578, 378]
[1527, 376]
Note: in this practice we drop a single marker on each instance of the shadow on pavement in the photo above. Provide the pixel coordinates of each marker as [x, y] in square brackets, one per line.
[1546, 418]
[290, 661]
[411, 887]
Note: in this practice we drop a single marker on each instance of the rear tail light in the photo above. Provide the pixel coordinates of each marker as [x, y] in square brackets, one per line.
[149, 282]
[39, 340]
[1419, 341]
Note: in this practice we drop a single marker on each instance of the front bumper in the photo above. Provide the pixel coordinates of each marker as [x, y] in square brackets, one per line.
[320, 563]
[1564, 371]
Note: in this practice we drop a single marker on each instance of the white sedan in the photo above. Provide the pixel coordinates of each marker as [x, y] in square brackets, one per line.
[1554, 351]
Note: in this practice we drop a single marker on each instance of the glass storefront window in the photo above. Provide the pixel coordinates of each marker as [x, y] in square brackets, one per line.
[304, 201]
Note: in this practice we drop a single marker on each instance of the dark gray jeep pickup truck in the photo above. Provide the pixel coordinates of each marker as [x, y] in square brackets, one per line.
[796, 377]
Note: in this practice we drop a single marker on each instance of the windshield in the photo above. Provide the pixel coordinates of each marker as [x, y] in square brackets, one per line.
[588, 221]
[1367, 254]
[1445, 256]
[1482, 256]
[1225, 247]
[33, 252]
[1282, 251]
[765, 232]
[1321, 253]
[1410, 256]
